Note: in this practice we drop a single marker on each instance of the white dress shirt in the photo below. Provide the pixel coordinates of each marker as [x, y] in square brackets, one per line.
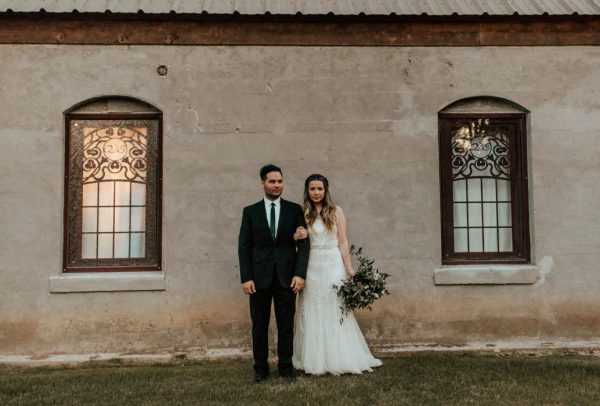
[277, 211]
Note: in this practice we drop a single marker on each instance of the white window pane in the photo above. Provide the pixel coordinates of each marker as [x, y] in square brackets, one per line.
[475, 240]
[138, 219]
[504, 218]
[138, 194]
[505, 239]
[107, 190]
[105, 220]
[459, 190]
[90, 194]
[105, 245]
[490, 238]
[138, 245]
[460, 214]
[122, 245]
[460, 240]
[122, 193]
[89, 221]
[474, 190]
[503, 190]
[88, 246]
[474, 214]
[121, 218]
[489, 190]
[489, 215]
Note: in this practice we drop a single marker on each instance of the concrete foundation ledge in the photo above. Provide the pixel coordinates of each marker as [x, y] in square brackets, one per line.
[516, 346]
[486, 275]
[107, 282]
[203, 354]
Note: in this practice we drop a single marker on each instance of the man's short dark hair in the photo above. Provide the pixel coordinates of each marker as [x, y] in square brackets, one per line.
[265, 170]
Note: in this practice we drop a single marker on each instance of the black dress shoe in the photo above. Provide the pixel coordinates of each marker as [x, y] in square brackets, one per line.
[289, 376]
[260, 376]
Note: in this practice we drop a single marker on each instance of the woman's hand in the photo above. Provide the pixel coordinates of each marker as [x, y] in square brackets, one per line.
[300, 234]
[350, 271]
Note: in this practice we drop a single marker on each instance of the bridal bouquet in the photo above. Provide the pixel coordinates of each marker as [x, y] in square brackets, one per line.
[365, 287]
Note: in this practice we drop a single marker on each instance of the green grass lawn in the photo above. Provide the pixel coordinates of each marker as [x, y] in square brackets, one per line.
[412, 380]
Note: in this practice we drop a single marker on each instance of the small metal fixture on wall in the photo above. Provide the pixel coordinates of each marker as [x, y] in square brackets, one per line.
[162, 70]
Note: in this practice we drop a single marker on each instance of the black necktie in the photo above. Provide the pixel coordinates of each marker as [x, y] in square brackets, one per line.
[272, 225]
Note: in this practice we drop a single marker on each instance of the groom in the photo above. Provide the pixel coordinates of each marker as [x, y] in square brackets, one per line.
[272, 268]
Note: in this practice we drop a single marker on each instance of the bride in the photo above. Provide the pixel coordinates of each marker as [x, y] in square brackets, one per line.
[323, 344]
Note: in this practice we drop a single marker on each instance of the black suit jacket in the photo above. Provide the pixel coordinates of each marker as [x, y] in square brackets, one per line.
[258, 252]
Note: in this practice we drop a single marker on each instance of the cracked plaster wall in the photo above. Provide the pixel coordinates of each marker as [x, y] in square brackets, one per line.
[365, 117]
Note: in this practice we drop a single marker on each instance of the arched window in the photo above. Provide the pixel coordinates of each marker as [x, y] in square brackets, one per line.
[483, 179]
[112, 186]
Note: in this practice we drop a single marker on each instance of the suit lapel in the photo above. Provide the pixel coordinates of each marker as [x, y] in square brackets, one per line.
[262, 214]
[281, 214]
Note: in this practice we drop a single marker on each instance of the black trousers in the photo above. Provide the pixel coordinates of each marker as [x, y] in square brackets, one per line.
[260, 312]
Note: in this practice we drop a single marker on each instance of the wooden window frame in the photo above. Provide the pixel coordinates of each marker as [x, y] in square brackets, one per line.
[157, 266]
[519, 193]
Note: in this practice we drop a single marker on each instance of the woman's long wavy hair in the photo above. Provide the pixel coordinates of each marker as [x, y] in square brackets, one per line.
[327, 209]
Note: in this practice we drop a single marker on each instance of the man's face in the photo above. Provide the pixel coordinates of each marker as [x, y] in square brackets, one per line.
[273, 185]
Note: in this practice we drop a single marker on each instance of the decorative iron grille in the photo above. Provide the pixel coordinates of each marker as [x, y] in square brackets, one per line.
[483, 188]
[113, 192]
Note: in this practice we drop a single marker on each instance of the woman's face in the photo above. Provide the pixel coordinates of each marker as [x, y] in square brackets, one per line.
[316, 191]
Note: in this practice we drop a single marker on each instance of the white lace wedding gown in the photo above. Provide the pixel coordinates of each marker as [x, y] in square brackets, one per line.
[321, 343]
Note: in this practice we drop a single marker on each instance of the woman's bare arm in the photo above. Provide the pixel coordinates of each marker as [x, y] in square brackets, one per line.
[343, 241]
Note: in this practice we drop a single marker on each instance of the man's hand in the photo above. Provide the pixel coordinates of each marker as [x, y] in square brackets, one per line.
[297, 284]
[248, 287]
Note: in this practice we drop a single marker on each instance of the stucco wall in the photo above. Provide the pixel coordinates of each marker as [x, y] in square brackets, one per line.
[364, 117]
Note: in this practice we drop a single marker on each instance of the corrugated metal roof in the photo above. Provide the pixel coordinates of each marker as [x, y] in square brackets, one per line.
[312, 7]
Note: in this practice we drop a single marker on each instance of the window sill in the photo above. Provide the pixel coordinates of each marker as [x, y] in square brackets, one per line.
[107, 282]
[486, 275]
